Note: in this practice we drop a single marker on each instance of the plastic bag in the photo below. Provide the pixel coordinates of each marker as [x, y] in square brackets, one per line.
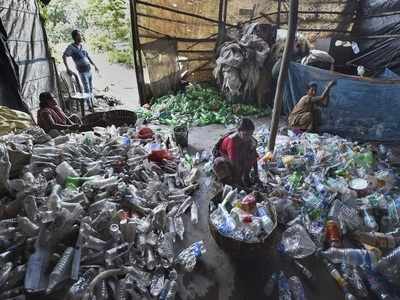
[297, 243]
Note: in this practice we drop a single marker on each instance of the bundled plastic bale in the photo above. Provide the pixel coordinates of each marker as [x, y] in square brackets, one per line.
[319, 59]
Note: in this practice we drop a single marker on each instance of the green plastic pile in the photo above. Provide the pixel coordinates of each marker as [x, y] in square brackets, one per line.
[198, 106]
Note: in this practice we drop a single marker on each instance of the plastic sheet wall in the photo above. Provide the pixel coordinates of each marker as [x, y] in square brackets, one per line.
[361, 109]
[378, 21]
[27, 44]
[9, 83]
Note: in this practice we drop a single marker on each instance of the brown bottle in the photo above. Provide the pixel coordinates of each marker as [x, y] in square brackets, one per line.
[333, 236]
[377, 239]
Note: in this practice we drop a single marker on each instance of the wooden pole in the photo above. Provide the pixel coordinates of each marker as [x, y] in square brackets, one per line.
[278, 16]
[137, 55]
[293, 9]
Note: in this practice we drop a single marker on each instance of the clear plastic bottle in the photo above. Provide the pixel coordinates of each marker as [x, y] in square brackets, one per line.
[173, 287]
[306, 272]
[166, 247]
[297, 243]
[150, 259]
[157, 284]
[188, 257]
[352, 276]
[5, 272]
[378, 287]
[355, 257]
[179, 227]
[390, 265]
[377, 239]
[283, 286]
[369, 221]
[297, 289]
[63, 171]
[54, 200]
[62, 269]
[194, 213]
[121, 292]
[339, 280]
[115, 233]
[266, 221]
[226, 225]
[37, 267]
[27, 227]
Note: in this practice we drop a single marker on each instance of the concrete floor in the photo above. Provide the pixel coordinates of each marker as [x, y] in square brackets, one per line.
[219, 277]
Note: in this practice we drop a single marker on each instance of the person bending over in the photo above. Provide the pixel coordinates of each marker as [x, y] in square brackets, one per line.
[51, 117]
[302, 116]
[235, 155]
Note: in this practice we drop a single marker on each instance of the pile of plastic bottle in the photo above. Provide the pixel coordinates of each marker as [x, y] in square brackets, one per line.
[243, 217]
[340, 201]
[99, 212]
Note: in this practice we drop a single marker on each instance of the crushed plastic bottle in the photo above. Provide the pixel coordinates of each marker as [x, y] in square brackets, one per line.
[356, 257]
[369, 221]
[378, 286]
[188, 257]
[306, 272]
[283, 286]
[389, 266]
[296, 288]
[353, 277]
[62, 270]
[339, 280]
[377, 239]
[157, 284]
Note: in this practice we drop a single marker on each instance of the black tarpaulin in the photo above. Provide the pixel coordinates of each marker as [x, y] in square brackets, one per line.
[376, 21]
[26, 41]
[9, 82]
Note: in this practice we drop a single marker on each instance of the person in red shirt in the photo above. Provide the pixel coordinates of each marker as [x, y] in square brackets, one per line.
[236, 155]
[51, 117]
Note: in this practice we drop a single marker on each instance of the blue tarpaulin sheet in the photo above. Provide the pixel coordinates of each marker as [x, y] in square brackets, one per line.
[360, 109]
[388, 74]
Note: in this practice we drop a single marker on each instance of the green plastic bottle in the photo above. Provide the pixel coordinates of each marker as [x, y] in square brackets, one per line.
[75, 182]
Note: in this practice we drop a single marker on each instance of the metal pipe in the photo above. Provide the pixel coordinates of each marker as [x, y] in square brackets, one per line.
[293, 9]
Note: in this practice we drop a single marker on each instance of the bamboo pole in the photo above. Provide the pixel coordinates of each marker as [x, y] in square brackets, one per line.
[293, 9]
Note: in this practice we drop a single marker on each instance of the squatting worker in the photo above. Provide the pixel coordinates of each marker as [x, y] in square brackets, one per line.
[235, 155]
[302, 116]
[82, 62]
[51, 117]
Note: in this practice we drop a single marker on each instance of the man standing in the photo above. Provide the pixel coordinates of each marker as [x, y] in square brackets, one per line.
[302, 115]
[82, 61]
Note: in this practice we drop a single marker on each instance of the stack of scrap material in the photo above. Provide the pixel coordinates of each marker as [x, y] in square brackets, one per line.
[240, 63]
[12, 119]
[98, 214]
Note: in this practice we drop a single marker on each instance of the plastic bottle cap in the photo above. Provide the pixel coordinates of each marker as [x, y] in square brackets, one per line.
[248, 203]
[247, 219]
